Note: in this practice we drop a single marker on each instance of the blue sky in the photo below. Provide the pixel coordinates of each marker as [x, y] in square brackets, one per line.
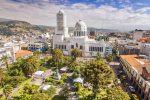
[115, 3]
[115, 14]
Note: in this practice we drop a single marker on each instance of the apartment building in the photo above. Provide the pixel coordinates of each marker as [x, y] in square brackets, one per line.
[137, 69]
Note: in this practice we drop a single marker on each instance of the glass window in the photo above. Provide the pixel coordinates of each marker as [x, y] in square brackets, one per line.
[72, 46]
[81, 47]
[76, 44]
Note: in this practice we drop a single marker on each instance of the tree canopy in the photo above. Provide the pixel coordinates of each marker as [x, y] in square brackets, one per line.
[98, 74]
[75, 53]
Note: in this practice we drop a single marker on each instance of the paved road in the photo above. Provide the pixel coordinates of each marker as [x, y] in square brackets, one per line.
[115, 66]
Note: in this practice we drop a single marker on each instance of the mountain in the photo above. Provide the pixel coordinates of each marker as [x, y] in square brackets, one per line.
[15, 27]
[90, 29]
[102, 30]
[4, 19]
[12, 27]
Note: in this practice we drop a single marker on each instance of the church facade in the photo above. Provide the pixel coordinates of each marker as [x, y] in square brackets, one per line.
[79, 39]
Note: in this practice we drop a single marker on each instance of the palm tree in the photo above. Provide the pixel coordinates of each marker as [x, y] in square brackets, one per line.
[57, 56]
[30, 65]
[4, 59]
[7, 90]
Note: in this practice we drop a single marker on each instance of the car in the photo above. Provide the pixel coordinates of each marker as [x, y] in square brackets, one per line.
[118, 80]
[120, 72]
[132, 89]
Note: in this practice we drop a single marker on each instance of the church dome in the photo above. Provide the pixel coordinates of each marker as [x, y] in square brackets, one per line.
[80, 29]
[80, 26]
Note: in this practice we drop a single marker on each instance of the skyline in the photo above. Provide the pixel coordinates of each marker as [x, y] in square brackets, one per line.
[123, 15]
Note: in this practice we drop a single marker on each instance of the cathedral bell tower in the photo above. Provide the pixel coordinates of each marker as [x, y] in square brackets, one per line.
[61, 24]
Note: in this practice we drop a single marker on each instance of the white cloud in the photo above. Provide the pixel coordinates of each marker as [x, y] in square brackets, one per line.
[101, 17]
[144, 9]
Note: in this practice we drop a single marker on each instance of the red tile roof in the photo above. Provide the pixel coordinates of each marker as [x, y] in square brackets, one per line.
[136, 62]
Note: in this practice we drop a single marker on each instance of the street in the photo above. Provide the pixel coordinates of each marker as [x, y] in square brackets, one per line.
[120, 74]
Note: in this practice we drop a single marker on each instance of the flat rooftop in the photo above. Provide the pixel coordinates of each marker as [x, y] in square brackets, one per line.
[22, 53]
[136, 62]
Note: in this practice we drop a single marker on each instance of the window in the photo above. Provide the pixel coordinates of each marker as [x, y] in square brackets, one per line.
[72, 46]
[102, 49]
[89, 48]
[81, 47]
[76, 44]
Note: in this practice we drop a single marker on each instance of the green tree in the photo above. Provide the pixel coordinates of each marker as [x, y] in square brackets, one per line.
[37, 54]
[51, 91]
[75, 53]
[115, 48]
[4, 59]
[117, 94]
[23, 97]
[30, 89]
[134, 97]
[7, 90]
[30, 65]
[16, 68]
[98, 56]
[109, 58]
[57, 56]
[40, 96]
[98, 74]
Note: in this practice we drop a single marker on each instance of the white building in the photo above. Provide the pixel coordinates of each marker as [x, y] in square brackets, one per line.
[9, 49]
[145, 49]
[138, 34]
[79, 39]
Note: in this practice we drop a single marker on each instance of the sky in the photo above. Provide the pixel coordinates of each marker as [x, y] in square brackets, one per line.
[123, 15]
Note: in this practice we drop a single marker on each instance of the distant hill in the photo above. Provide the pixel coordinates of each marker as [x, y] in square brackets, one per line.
[102, 30]
[4, 19]
[12, 27]
[15, 27]
[96, 30]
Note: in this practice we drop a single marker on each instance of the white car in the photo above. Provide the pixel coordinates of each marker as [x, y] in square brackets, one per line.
[131, 88]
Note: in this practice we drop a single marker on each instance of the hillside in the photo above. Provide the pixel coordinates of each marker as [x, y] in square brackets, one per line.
[14, 27]
[21, 27]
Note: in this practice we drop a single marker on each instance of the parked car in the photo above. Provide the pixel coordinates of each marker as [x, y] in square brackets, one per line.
[132, 89]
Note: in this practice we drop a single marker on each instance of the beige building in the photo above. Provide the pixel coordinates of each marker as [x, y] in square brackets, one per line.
[138, 71]
[138, 34]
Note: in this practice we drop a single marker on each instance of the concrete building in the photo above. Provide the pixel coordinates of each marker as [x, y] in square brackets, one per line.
[145, 46]
[138, 34]
[37, 46]
[79, 39]
[137, 69]
[145, 49]
[9, 49]
[128, 46]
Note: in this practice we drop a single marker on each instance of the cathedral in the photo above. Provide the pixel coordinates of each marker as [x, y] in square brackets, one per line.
[79, 39]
